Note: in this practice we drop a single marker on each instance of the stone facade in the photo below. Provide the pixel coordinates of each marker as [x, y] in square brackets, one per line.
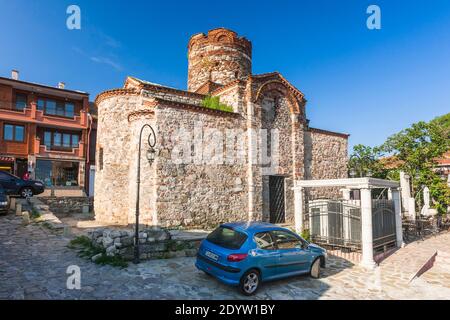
[211, 166]
[220, 56]
[325, 158]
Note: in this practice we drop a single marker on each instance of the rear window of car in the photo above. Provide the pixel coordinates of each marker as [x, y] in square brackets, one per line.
[227, 237]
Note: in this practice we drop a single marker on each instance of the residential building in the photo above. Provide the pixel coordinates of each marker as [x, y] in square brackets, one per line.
[44, 130]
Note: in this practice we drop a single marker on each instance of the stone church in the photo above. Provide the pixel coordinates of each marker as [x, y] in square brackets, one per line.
[181, 187]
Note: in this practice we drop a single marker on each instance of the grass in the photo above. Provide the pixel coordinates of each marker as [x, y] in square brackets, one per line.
[86, 249]
[215, 104]
[35, 214]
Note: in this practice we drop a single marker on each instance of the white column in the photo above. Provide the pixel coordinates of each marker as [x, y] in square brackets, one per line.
[398, 217]
[298, 209]
[366, 229]
[345, 193]
[406, 190]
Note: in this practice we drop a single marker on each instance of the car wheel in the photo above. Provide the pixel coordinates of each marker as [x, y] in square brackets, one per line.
[315, 269]
[250, 282]
[26, 192]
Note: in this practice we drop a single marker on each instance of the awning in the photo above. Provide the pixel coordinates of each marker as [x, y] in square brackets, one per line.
[6, 159]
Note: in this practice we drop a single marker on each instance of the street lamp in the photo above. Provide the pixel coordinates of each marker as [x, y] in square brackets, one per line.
[151, 153]
[353, 171]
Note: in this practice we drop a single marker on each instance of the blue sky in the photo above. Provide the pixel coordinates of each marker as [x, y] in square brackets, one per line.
[369, 83]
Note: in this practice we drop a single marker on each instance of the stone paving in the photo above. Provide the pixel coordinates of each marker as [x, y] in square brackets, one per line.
[34, 260]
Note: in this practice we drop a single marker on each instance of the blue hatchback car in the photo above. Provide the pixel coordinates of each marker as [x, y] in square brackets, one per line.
[245, 254]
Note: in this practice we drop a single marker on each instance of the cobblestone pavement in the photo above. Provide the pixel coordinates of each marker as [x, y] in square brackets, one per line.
[34, 260]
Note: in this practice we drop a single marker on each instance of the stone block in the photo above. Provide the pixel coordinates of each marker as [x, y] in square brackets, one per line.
[18, 209]
[111, 251]
[107, 241]
[96, 257]
[26, 217]
[127, 241]
[115, 234]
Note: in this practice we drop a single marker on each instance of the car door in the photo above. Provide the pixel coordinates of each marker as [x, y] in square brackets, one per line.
[8, 182]
[293, 258]
[266, 254]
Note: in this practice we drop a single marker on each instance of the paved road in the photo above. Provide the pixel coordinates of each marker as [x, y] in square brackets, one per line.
[34, 260]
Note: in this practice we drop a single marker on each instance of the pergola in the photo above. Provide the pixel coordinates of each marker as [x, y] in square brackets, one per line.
[365, 185]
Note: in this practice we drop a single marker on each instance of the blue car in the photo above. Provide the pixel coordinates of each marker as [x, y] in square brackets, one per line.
[245, 254]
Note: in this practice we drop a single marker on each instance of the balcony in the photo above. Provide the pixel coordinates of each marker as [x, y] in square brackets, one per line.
[59, 152]
[30, 114]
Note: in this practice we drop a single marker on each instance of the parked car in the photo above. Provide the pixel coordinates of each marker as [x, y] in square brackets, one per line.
[244, 254]
[16, 186]
[4, 205]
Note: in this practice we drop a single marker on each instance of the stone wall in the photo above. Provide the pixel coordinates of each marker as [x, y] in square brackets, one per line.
[325, 158]
[220, 56]
[115, 147]
[153, 244]
[202, 189]
[68, 205]
[181, 98]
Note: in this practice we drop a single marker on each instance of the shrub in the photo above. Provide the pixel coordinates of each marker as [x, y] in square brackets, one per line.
[86, 249]
[214, 103]
[306, 235]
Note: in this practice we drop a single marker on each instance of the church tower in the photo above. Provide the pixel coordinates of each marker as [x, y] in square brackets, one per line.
[220, 57]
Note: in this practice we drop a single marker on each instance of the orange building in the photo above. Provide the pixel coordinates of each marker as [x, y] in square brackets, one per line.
[45, 130]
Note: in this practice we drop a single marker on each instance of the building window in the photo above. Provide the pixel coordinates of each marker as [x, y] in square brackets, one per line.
[61, 139]
[57, 173]
[57, 139]
[75, 141]
[40, 105]
[48, 138]
[58, 108]
[13, 132]
[50, 107]
[100, 158]
[70, 110]
[21, 101]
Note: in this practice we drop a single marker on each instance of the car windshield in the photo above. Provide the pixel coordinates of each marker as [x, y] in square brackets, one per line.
[227, 237]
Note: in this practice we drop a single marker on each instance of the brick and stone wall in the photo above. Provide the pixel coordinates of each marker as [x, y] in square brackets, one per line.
[199, 191]
[68, 205]
[115, 145]
[153, 244]
[325, 158]
[220, 56]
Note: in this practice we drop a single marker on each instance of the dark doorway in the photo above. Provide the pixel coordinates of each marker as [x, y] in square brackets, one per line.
[276, 198]
[22, 167]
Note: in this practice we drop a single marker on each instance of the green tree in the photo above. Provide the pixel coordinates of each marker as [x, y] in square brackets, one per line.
[364, 161]
[417, 148]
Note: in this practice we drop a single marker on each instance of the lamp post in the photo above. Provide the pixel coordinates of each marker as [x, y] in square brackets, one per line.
[150, 157]
[354, 171]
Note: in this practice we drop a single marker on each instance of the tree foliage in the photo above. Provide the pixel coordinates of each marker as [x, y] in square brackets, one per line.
[415, 150]
[364, 162]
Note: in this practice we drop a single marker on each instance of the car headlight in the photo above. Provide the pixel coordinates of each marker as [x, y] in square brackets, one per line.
[3, 203]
